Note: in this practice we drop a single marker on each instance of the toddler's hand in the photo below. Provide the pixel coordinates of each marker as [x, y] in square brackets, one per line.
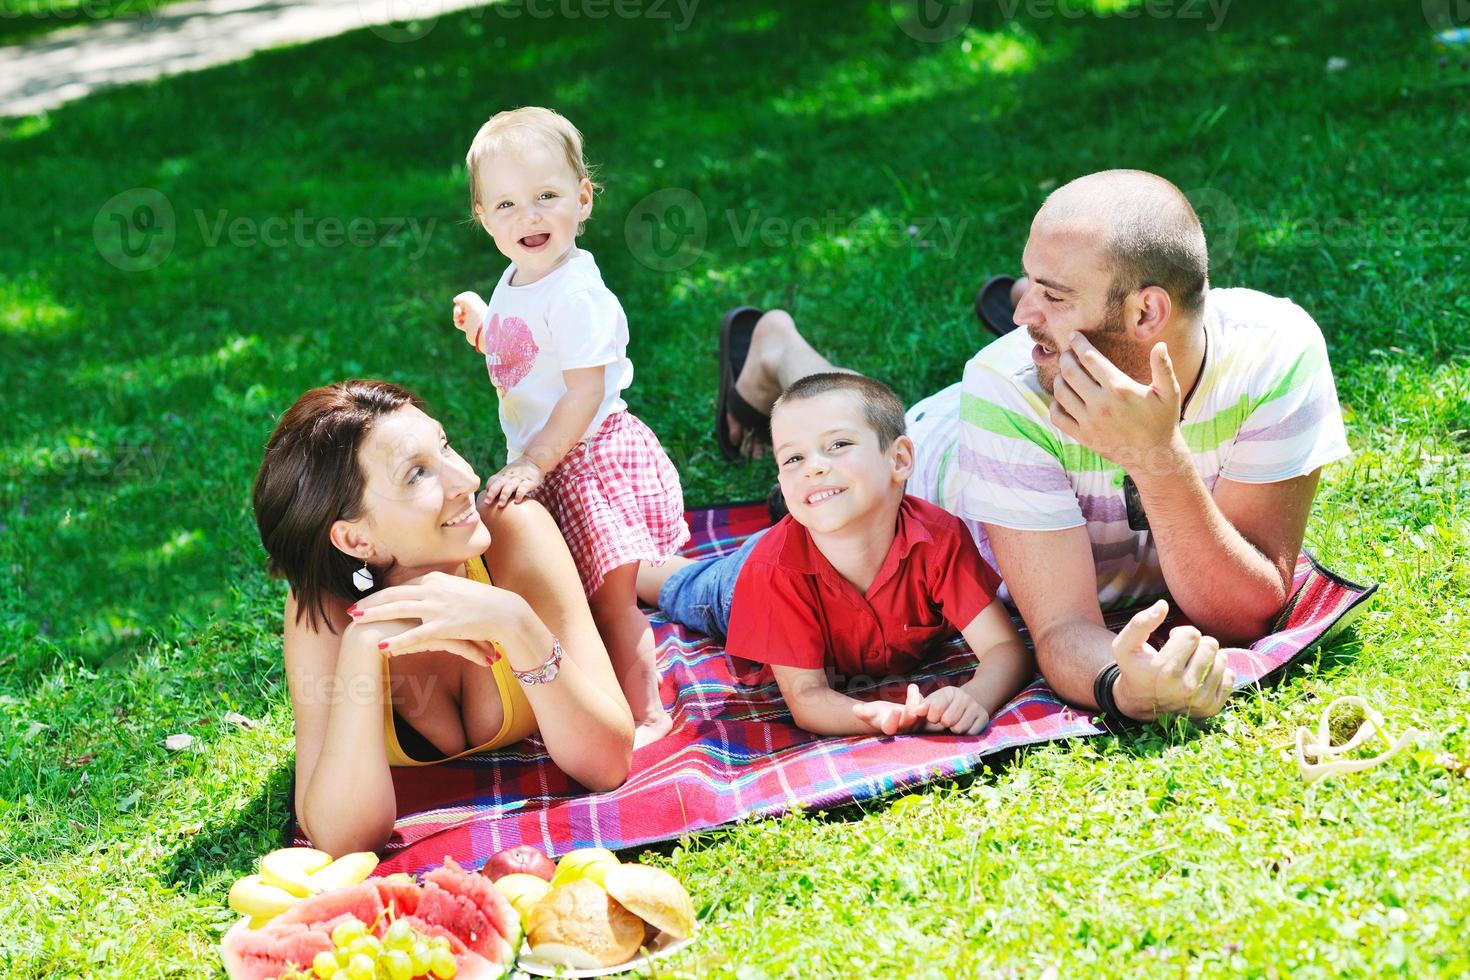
[513, 483]
[953, 709]
[469, 317]
[891, 718]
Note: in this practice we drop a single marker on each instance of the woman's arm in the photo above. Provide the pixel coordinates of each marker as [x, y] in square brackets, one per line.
[344, 793]
[583, 717]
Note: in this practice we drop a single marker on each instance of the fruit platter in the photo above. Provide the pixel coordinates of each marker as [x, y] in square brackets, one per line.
[305, 916]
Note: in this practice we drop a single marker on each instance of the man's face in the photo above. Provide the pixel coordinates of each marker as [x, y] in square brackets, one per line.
[1071, 282]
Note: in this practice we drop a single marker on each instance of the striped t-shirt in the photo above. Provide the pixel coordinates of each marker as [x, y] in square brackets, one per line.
[1265, 410]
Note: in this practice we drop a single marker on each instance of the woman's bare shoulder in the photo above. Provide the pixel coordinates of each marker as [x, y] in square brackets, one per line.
[305, 644]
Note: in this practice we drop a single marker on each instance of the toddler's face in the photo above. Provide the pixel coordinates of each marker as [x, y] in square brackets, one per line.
[532, 206]
[832, 473]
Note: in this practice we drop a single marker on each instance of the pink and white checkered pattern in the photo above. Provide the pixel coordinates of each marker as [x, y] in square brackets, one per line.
[617, 500]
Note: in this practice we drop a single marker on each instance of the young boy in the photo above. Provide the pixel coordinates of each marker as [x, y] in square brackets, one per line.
[859, 581]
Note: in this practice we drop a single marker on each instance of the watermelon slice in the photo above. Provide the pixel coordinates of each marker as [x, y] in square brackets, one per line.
[471, 907]
[403, 896]
[363, 902]
[264, 954]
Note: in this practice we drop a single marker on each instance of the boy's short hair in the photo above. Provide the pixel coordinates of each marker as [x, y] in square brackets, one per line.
[516, 128]
[882, 408]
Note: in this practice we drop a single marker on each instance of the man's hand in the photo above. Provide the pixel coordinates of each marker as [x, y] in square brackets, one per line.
[469, 318]
[513, 483]
[1188, 676]
[890, 718]
[1133, 425]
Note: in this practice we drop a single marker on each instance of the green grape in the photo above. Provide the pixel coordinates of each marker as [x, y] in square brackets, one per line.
[438, 943]
[369, 945]
[399, 935]
[443, 966]
[422, 956]
[348, 931]
[324, 964]
[362, 967]
[397, 964]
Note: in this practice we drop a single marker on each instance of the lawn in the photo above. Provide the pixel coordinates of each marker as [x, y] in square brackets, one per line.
[299, 218]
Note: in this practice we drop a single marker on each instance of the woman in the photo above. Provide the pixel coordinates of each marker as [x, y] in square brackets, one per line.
[399, 649]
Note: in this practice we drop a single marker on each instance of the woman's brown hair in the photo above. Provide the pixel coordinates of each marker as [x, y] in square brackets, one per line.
[310, 479]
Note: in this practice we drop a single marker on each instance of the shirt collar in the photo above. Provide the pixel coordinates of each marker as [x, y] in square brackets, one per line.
[800, 554]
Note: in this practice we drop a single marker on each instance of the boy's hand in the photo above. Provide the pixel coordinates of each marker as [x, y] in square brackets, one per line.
[891, 718]
[469, 317]
[513, 483]
[954, 709]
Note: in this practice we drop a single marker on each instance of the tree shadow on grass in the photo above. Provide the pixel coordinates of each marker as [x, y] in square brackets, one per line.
[876, 127]
[233, 846]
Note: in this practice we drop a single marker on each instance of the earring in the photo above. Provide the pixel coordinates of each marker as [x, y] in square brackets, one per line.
[362, 578]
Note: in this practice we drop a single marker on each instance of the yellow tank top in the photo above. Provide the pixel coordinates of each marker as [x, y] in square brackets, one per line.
[516, 725]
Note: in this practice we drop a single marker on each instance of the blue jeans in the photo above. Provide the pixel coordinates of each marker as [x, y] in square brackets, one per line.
[699, 596]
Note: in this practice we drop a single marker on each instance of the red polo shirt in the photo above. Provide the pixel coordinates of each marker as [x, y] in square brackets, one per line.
[791, 608]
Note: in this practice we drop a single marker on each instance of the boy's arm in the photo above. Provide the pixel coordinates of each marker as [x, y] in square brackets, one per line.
[820, 710]
[574, 411]
[1005, 665]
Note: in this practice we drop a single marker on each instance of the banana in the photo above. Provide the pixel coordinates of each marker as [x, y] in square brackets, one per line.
[289, 868]
[252, 897]
[349, 869]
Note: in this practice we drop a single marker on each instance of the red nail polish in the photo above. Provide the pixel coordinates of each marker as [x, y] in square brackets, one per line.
[383, 645]
[352, 610]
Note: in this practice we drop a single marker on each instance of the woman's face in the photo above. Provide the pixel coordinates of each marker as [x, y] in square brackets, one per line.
[418, 506]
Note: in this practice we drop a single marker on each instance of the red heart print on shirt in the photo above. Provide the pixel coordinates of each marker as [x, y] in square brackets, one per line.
[510, 350]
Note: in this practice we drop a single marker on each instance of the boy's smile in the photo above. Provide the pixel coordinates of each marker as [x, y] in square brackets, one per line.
[832, 472]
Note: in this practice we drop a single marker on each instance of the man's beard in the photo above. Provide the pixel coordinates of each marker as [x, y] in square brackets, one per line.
[1111, 339]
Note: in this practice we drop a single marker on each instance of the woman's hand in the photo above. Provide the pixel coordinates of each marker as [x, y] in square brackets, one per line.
[455, 614]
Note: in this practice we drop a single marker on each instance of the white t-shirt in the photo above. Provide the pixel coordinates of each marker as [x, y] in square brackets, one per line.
[563, 321]
[1265, 411]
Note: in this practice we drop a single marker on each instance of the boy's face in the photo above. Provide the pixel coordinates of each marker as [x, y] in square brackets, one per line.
[832, 473]
[532, 206]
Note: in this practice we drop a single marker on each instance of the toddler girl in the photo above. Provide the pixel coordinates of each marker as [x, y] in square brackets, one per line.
[555, 341]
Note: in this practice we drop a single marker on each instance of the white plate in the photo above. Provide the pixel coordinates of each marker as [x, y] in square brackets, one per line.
[662, 945]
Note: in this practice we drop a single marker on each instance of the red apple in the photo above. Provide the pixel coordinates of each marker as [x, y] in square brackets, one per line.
[523, 859]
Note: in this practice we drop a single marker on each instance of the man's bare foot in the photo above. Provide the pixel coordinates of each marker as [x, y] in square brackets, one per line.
[759, 382]
[652, 730]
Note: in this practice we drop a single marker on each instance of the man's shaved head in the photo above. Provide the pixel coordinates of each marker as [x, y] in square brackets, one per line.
[1145, 225]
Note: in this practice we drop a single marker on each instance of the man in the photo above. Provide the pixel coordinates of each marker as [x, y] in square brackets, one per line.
[1140, 435]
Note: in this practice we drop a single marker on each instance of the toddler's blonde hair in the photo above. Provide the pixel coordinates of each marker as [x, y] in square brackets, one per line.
[515, 128]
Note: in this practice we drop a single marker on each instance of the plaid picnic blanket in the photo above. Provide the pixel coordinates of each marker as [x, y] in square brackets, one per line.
[735, 753]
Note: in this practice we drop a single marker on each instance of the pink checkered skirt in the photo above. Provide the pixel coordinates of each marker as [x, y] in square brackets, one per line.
[616, 499]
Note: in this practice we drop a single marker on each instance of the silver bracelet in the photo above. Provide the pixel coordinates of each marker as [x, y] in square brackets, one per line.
[547, 672]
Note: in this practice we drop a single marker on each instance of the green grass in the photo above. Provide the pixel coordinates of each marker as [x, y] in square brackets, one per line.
[136, 404]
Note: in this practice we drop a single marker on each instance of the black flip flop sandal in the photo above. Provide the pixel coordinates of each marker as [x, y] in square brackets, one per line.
[993, 305]
[735, 333]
